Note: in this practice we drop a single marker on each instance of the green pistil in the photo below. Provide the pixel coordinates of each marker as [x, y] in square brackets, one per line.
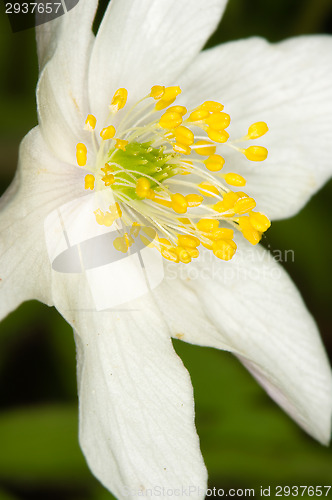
[142, 160]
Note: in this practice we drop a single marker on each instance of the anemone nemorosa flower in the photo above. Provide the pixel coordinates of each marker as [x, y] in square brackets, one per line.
[134, 145]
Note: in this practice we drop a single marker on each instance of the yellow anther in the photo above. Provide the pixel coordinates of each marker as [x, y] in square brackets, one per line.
[207, 225]
[218, 121]
[222, 233]
[257, 129]
[212, 106]
[108, 179]
[217, 135]
[205, 148]
[235, 179]
[181, 148]
[198, 115]
[168, 98]
[248, 231]
[179, 203]
[170, 254]
[259, 221]
[90, 122]
[143, 187]
[183, 254]
[119, 99]
[185, 240]
[107, 169]
[170, 120]
[194, 200]
[162, 202]
[228, 202]
[107, 133]
[255, 153]
[224, 249]
[214, 163]
[184, 135]
[157, 92]
[165, 243]
[244, 205]
[121, 144]
[193, 252]
[89, 181]
[207, 189]
[178, 109]
[81, 154]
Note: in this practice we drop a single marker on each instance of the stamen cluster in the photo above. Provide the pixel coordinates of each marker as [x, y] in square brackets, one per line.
[144, 162]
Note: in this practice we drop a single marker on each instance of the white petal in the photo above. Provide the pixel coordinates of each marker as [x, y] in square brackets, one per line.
[143, 43]
[252, 308]
[137, 426]
[41, 185]
[62, 88]
[287, 85]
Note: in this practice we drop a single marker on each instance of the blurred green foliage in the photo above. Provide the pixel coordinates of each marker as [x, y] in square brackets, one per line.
[247, 441]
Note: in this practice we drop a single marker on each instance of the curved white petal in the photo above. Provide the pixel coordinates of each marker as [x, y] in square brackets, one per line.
[252, 308]
[143, 42]
[41, 184]
[137, 426]
[62, 93]
[288, 85]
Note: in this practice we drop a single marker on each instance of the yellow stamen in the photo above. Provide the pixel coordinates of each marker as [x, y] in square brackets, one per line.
[157, 92]
[207, 225]
[244, 205]
[212, 106]
[207, 189]
[222, 233]
[183, 254]
[214, 163]
[224, 249]
[194, 200]
[205, 148]
[121, 144]
[90, 122]
[259, 221]
[198, 115]
[89, 182]
[255, 153]
[179, 203]
[184, 135]
[218, 121]
[119, 99]
[257, 130]
[81, 154]
[108, 179]
[235, 179]
[107, 133]
[168, 98]
[178, 109]
[170, 120]
[188, 241]
[248, 231]
[220, 136]
[181, 148]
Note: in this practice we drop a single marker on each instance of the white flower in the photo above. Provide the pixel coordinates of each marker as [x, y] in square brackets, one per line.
[136, 404]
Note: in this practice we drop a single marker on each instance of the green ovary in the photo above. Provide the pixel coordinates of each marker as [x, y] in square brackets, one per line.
[139, 160]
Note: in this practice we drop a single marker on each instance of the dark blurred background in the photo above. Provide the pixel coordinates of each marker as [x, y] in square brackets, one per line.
[246, 440]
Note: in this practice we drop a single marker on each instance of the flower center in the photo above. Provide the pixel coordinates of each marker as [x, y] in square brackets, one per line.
[156, 145]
